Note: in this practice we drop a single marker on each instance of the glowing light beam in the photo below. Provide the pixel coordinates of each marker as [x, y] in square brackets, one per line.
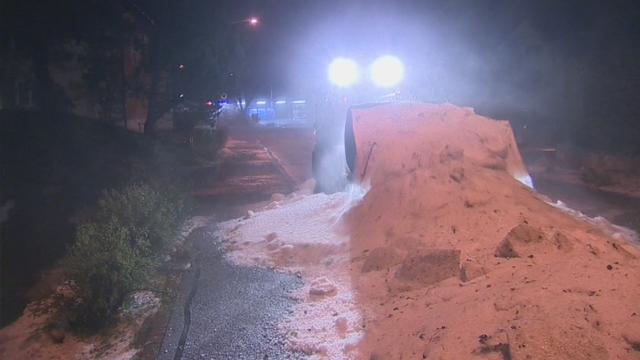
[387, 71]
[343, 72]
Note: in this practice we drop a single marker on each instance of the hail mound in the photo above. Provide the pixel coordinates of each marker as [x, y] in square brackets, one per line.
[453, 258]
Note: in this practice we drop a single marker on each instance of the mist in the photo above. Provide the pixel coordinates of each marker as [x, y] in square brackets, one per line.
[560, 71]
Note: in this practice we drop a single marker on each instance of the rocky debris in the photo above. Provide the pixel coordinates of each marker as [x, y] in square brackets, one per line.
[505, 250]
[429, 266]
[278, 197]
[381, 258]
[322, 287]
[518, 240]
[470, 270]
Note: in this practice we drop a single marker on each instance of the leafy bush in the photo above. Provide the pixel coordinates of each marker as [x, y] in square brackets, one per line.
[112, 256]
[105, 268]
[150, 217]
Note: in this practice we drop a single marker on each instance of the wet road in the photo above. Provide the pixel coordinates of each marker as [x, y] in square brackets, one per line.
[290, 146]
[227, 311]
[617, 208]
[224, 311]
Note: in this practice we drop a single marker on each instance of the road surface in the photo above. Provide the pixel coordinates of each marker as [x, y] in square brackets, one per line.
[224, 311]
[617, 208]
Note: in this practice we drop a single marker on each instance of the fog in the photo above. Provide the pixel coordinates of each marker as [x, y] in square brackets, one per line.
[558, 69]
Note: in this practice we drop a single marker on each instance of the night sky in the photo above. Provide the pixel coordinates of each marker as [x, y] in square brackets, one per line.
[444, 41]
[568, 68]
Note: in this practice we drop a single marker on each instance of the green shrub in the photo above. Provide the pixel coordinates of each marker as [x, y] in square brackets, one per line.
[150, 216]
[113, 255]
[105, 268]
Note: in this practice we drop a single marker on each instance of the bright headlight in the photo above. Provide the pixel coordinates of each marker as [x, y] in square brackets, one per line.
[343, 72]
[387, 71]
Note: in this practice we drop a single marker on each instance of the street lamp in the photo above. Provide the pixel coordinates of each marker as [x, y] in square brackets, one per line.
[253, 21]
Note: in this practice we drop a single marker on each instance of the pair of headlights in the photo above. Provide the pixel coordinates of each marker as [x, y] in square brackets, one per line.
[386, 71]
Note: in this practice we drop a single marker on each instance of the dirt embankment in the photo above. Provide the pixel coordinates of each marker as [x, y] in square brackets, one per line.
[455, 258]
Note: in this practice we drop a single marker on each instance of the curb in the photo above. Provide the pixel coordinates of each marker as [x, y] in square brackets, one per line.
[281, 168]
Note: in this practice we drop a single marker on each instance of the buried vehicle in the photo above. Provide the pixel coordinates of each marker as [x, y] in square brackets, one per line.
[366, 146]
[376, 141]
[333, 156]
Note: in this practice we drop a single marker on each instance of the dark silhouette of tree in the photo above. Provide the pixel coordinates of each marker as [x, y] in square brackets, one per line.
[38, 35]
[34, 33]
[202, 37]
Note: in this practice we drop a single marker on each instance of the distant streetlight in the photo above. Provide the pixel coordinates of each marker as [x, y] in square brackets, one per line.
[253, 21]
